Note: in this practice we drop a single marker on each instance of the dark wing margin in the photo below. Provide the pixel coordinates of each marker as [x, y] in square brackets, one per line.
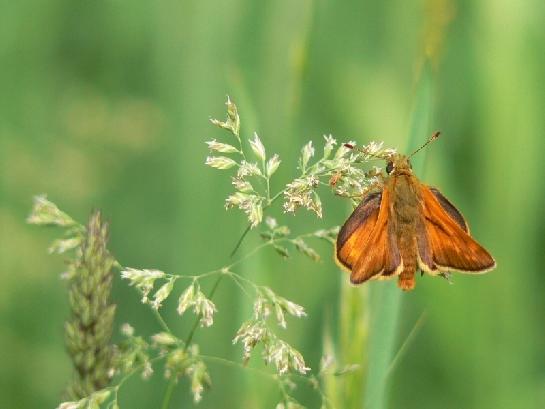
[450, 209]
[369, 205]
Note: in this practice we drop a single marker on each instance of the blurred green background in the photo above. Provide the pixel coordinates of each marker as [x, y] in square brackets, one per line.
[105, 104]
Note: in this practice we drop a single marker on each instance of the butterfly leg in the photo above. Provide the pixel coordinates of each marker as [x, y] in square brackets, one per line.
[447, 276]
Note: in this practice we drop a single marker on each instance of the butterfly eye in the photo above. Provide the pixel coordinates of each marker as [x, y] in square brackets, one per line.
[389, 167]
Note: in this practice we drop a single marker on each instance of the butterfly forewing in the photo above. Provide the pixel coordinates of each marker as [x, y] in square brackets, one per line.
[450, 246]
[365, 245]
[356, 230]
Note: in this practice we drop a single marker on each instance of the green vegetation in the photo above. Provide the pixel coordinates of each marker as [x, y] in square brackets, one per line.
[106, 105]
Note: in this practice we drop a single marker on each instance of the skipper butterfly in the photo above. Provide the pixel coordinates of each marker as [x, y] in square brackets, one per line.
[407, 226]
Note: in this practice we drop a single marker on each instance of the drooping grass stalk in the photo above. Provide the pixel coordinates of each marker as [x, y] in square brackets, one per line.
[385, 299]
[89, 329]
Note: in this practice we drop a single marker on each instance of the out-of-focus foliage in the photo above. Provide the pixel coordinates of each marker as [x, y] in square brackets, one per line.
[106, 105]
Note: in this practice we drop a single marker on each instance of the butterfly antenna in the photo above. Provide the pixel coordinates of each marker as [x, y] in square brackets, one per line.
[432, 138]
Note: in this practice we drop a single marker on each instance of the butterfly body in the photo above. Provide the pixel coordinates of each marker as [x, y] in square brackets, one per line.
[406, 220]
[406, 226]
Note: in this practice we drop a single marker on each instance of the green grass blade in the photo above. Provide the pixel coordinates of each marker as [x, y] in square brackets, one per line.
[385, 298]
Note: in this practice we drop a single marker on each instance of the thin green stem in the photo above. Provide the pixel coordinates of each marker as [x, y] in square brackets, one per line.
[161, 321]
[239, 242]
[168, 393]
[250, 254]
[274, 198]
[236, 276]
[237, 281]
[241, 150]
[418, 324]
[136, 369]
[195, 276]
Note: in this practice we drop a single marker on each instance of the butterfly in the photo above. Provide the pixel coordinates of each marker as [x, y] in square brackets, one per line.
[405, 226]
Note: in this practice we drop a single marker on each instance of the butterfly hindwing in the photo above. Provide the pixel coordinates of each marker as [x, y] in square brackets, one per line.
[449, 243]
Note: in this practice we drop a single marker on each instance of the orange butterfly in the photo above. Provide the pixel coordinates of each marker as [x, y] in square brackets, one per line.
[404, 227]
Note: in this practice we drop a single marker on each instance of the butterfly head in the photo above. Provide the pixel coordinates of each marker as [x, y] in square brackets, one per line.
[399, 164]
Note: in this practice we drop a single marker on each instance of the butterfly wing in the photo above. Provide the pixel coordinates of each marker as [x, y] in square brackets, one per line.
[356, 230]
[365, 245]
[444, 242]
[452, 211]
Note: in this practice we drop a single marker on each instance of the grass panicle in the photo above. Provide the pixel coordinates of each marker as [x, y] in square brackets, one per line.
[89, 329]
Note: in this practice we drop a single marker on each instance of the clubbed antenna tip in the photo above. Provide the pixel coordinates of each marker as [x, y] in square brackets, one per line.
[432, 138]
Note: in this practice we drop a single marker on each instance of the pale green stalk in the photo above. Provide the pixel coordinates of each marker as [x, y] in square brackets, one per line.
[385, 298]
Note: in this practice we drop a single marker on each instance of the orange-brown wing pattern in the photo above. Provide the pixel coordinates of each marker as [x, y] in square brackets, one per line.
[356, 230]
[365, 245]
[450, 246]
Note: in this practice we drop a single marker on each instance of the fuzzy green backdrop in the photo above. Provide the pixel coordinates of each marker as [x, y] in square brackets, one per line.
[105, 104]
